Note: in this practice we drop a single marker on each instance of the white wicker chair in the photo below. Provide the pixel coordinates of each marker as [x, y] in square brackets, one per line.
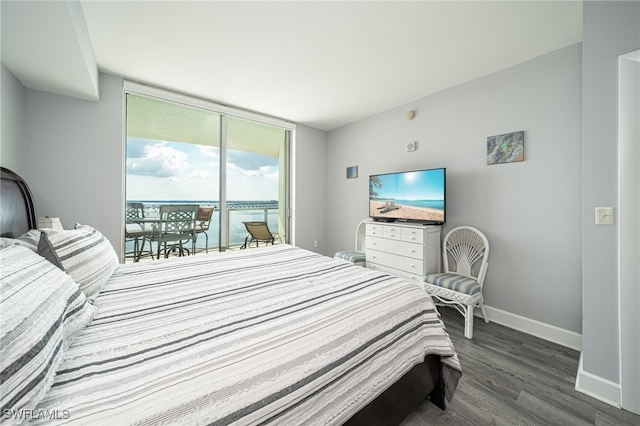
[465, 258]
[357, 256]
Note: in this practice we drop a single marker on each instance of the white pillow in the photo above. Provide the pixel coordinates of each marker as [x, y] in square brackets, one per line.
[42, 310]
[85, 254]
[6, 242]
[29, 239]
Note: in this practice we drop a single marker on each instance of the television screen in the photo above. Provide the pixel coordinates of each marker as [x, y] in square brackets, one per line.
[414, 196]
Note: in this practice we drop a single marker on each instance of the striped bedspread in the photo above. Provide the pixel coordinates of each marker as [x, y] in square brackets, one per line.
[276, 335]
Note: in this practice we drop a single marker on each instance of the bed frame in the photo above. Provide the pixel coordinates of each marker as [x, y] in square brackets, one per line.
[17, 209]
[423, 381]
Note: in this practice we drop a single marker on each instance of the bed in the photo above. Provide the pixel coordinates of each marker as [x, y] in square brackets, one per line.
[276, 335]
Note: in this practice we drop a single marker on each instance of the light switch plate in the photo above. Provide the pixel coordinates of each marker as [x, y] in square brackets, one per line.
[604, 216]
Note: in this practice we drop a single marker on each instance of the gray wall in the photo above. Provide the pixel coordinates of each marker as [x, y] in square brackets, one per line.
[75, 157]
[610, 29]
[310, 171]
[11, 120]
[530, 211]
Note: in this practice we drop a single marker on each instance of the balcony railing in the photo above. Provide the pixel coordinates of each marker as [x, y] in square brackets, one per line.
[237, 212]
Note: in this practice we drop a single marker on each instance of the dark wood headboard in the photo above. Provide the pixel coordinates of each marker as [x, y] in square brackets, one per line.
[17, 209]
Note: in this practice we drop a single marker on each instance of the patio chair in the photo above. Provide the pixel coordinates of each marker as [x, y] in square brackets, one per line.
[203, 221]
[135, 231]
[176, 227]
[258, 231]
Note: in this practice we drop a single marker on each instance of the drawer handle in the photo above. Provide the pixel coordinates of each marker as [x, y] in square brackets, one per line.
[413, 251]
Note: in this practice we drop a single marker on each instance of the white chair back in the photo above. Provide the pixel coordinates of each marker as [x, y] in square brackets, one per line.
[464, 246]
[361, 234]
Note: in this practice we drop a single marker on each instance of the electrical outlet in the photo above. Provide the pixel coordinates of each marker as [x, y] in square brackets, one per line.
[604, 216]
[316, 243]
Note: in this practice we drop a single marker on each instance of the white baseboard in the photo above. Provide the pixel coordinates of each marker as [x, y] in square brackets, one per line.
[587, 383]
[597, 387]
[539, 329]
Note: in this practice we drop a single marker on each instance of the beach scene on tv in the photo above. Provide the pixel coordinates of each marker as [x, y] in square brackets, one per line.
[411, 195]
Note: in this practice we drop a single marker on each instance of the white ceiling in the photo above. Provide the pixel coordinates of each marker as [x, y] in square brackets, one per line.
[322, 64]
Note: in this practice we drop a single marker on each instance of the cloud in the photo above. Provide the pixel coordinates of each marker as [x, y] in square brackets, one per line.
[156, 159]
[209, 151]
[135, 148]
[265, 171]
[200, 174]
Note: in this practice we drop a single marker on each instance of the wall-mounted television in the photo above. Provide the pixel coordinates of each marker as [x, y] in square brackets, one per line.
[413, 196]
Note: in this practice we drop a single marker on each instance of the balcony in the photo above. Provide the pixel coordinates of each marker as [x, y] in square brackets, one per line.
[237, 212]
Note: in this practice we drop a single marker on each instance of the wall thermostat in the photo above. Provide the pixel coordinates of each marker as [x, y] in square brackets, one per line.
[412, 146]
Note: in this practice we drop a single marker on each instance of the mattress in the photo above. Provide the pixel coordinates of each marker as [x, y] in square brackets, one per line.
[276, 335]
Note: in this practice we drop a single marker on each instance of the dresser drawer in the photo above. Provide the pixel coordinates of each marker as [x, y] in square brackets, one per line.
[402, 248]
[396, 232]
[408, 264]
[392, 232]
[384, 229]
[374, 230]
[413, 235]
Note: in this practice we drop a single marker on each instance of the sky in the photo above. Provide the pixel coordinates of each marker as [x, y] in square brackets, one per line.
[166, 170]
[418, 185]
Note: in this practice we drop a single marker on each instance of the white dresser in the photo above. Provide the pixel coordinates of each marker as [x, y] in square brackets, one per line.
[403, 249]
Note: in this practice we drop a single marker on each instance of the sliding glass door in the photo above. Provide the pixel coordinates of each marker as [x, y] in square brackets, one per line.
[255, 181]
[184, 154]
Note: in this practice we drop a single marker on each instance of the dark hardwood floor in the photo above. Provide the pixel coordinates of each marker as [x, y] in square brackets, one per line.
[512, 378]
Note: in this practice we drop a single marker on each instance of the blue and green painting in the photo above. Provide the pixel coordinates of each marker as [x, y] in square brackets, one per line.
[505, 148]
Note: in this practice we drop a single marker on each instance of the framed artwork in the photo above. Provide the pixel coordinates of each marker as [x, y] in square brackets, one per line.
[352, 172]
[506, 148]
